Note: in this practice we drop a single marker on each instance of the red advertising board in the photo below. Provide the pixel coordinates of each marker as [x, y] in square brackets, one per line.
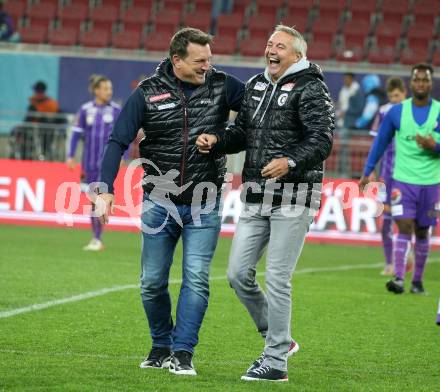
[47, 193]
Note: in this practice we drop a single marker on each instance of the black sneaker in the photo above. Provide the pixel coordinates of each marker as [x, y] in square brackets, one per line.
[181, 363]
[159, 358]
[417, 288]
[266, 373]
[293, 349]
[395, 285]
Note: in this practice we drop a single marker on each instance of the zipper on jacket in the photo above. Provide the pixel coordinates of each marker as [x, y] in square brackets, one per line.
[264, 134]
[185, 136]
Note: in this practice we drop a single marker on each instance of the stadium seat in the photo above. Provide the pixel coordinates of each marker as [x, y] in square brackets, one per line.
[241, 6]
[382, 55]
[436, 58]
[264, 7]
[63, 36]
[16, 9]
[424, 11]
[224, 45]
[113, 3]
[331, 9]
[411, 56]
[362, 9]
[300, 23]
[70, 24]
[325, 29]
[158, 41]
[142, 3]
[394, 10]
[36, 34]
[202, 6]
[357, 27]
[136, 14]
[42, 10]
[354, 40]
[80, 2]
[229, 24]
[174, 5]
[73, 11]
[392, 29]
[363, 5]
[104, 14]
[133, 27]
[126, 40]
[253, 46]
[319, 50]
[199, 20]
[167, 20]
[301, 8]
[95, 38]
[106, 25]
[260, 26]
[422, 31]
[349, 53]
[37, 22]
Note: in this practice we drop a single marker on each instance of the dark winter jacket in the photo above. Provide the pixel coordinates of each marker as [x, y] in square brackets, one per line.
[292, 118]
[173, 123]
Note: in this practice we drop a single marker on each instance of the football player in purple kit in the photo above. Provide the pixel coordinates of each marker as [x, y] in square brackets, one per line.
[416, 173]
[396, 93]
[93, 125]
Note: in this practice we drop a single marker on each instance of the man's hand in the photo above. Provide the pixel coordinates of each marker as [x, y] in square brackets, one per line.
[277, 168]
[364, 181]
[104, 206]
[205, 142]
[426, 142]
[71, 163]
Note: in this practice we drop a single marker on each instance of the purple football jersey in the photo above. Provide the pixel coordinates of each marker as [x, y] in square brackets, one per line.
[386, 169]
[94, 123]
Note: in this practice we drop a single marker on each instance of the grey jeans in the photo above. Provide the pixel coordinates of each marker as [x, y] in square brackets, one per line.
[284, 238]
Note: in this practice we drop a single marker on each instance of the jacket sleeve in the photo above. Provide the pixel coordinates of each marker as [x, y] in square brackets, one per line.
[317, 116]
[232, 140]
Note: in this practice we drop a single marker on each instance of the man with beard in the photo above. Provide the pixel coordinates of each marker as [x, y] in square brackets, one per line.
[416, 173]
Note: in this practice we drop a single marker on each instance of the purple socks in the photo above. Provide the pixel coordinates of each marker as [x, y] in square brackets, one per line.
[401, 250]
[421, 250]
[96, 228]
[387, 239]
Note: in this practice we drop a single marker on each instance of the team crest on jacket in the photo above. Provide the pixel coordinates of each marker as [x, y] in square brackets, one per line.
[160, 97]
[287, 87]
[260, 86]
[396, 196]
[282, 99]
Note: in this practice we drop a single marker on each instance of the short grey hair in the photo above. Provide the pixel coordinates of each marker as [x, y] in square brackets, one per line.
[299, 44]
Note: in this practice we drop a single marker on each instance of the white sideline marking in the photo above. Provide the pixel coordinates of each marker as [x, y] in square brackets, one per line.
[97, 293]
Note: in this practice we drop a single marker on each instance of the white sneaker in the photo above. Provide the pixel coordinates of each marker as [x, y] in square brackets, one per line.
[94, 245]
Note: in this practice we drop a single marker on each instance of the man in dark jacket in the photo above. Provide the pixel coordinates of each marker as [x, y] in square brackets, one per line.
[184, 98]
[286, 127]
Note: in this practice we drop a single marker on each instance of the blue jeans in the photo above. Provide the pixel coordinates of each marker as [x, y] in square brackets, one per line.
[199, 242]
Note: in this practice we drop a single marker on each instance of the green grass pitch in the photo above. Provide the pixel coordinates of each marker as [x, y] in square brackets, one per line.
[354, 336]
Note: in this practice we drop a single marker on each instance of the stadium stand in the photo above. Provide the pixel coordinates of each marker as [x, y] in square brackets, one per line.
[376, 31]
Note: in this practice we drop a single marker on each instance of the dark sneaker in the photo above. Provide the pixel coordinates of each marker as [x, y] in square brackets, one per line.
[293, 349]
[266, 373]
[159, 358]
[395, 286]
[438, 319]
[417, 288]
[181, 363]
